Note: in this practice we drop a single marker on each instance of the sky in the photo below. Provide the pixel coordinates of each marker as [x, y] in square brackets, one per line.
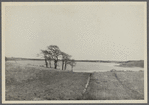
[91, 31]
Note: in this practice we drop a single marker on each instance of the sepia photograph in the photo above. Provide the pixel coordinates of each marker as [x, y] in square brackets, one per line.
[74, 52]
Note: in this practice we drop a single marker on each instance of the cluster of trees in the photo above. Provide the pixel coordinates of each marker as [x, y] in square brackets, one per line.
[53, 53]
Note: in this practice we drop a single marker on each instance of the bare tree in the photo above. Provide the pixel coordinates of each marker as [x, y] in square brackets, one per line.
[55, 51]
[45, 53]
[65, 58]
[50, 57]
[52, 53]
[66, 62]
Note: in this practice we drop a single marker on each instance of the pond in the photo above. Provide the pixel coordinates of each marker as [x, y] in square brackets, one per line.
[84, 66]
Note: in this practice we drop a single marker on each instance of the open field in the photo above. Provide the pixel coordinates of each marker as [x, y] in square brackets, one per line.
[116, 86]
[28, 82]
[39, 83]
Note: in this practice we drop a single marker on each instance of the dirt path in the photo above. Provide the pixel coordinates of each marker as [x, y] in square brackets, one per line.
[115, 86]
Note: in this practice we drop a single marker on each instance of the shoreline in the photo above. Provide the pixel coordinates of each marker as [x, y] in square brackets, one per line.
[83, 70]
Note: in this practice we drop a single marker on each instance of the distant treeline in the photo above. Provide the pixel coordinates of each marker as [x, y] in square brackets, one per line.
[100, 61]
[103, 61]
[133, 63]
[14, 58]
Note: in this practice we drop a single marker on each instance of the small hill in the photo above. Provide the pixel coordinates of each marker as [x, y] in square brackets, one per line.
[133, 64]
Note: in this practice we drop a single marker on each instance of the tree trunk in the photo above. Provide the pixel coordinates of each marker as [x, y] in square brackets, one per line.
[55, 63]
[46, 62]
[65, 65]
[50, 63]
[62, 65]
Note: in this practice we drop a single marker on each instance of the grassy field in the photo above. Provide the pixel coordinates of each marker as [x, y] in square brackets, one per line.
[116, 85]
[39, 83]
[27, 82]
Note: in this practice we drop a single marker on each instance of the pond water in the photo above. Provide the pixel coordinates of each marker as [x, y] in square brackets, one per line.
[83, 66]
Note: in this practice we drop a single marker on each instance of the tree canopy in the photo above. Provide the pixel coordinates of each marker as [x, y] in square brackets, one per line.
[53, 52]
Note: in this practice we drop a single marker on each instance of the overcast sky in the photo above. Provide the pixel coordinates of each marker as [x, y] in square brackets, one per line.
[93, 31]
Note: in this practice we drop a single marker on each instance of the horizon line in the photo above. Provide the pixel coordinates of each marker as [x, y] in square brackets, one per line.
[74, 59]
